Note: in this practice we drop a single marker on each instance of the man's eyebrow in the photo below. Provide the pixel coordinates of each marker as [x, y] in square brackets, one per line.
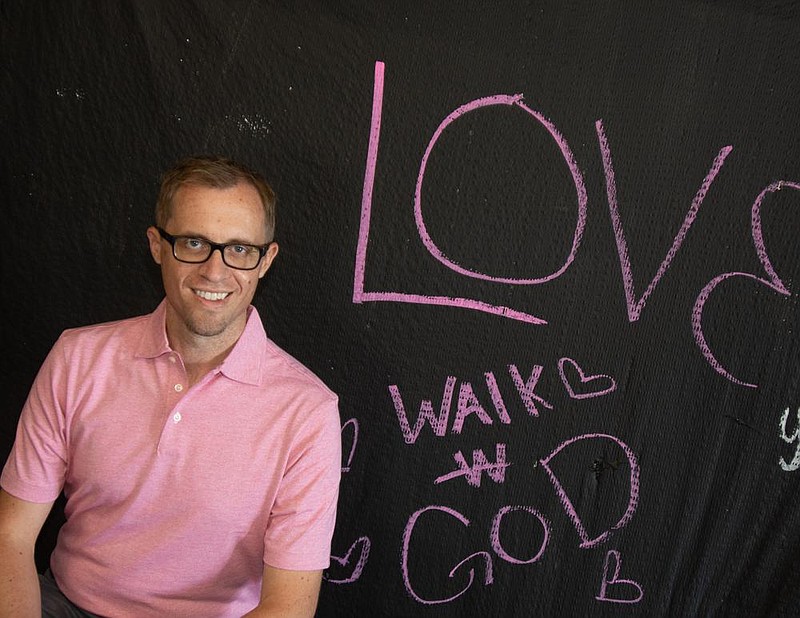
[233, 241]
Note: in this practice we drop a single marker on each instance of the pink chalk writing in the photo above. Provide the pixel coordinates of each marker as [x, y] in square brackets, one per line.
[497, 398]
[697, 323]
[773, 282]
[353, 423]
[497, 544]
[484, 556]
[481, 558]
[468, 404]
[363, 544]
[541, 526]
[480, 464]
[369, 183]
[795, 437]
[586, 541]
[626, 590]
[635, 307]
[526, 389]
[438, 423]
[577, 178]
[758, 234]
[360, 295]
[587, 386]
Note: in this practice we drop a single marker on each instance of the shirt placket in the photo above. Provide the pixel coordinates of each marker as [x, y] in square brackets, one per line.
[175, 388]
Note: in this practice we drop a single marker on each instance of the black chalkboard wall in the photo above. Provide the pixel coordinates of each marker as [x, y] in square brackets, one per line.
[546, 252]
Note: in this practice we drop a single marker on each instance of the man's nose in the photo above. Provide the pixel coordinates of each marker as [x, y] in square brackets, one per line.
[215, 265]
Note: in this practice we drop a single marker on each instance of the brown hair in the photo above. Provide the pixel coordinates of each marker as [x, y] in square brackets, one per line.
[216, 172]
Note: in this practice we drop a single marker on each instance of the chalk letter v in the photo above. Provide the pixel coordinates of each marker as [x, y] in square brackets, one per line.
[635, 307]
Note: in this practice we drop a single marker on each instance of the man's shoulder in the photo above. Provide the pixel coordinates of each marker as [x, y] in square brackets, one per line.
[105, 328]
[103, 333]
[284, 367]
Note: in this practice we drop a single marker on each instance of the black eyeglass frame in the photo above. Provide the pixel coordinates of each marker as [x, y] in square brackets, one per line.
[262, 249]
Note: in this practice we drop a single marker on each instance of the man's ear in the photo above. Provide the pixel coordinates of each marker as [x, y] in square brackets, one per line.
[266, 261]
[154, 240]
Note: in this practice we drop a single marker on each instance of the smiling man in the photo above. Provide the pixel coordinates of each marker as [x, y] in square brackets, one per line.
[200, 462]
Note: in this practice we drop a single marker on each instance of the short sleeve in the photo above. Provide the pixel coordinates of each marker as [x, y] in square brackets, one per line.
[298, 536]
[36, 467]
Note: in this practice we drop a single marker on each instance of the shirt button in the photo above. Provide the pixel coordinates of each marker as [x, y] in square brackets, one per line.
[176, 418]
[178, 388]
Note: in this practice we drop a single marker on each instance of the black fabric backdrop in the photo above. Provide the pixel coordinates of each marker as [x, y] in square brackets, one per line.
[634, 455]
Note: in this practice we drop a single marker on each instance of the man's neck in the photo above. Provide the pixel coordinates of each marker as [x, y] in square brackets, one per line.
[200, 353]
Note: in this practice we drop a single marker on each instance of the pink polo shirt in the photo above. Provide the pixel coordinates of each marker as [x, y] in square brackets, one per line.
[177, 496]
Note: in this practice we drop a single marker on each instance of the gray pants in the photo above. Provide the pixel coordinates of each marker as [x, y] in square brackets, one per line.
[55, 604]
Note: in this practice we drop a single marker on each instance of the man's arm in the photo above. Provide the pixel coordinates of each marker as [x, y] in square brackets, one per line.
[288, 593]
[20, 524]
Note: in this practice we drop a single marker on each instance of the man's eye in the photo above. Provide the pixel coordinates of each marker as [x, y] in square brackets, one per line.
[193, 244]
[240, 249]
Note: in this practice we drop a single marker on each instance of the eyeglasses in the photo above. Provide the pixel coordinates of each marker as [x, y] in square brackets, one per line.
[198, 250]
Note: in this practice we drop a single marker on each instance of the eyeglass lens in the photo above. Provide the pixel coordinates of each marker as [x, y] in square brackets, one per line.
[195, 250]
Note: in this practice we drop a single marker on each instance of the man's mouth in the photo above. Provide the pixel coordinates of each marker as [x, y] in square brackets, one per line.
[212, 295]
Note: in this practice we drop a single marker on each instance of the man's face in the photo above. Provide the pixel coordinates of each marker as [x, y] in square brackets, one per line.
[210, 299]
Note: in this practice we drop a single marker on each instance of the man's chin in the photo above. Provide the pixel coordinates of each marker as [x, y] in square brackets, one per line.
[207, 329]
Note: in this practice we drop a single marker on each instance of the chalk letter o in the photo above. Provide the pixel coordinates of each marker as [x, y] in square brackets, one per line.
[497, 545]
[577, 177]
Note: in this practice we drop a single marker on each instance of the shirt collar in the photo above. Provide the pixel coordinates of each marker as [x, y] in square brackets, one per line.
[245, 361]
[153, 342]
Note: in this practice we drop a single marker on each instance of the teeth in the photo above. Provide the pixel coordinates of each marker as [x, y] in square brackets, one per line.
[211, 295]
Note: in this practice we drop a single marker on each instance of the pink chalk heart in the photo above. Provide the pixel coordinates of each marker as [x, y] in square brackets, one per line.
[345, 561]
[624, 590]
[586, 386]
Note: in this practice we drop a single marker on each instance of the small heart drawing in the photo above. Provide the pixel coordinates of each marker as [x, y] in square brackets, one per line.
[354, 424]
[589, 385]
[359, 567]
[634, 590]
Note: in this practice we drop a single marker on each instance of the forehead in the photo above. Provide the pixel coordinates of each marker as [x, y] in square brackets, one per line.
[233, 213]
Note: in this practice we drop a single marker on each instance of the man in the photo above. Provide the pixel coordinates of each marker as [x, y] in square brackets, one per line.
[200, 462]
